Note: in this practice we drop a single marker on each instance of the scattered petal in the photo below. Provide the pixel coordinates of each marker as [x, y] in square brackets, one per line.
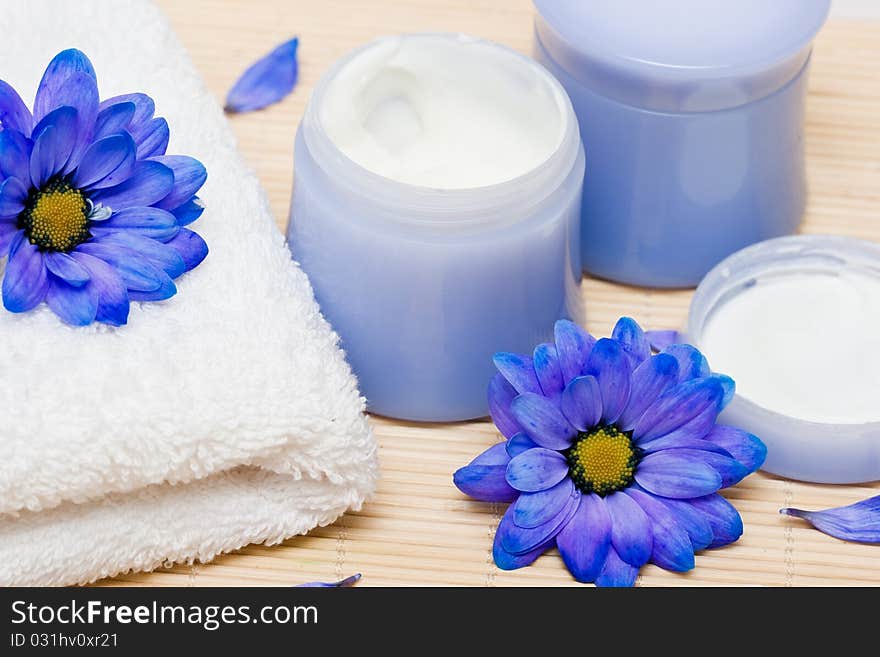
[348, 582]
[859, 522]
[266, 81]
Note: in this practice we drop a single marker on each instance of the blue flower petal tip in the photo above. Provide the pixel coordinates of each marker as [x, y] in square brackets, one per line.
[267, 81]
[859, 522]
[346, 583]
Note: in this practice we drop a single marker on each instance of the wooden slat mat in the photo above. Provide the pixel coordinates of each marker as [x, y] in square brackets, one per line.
[419, 529]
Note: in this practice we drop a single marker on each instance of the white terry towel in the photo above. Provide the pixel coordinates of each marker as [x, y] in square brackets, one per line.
[221, 417]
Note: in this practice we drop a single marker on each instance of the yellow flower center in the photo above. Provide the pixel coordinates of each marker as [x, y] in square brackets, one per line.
[602, 461]
[56, 217]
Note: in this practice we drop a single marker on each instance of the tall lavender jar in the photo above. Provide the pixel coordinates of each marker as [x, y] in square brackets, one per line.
[436, 211]
[692, 116]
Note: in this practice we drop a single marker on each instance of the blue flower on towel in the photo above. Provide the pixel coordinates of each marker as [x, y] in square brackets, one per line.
[613, 455]
[92, 210]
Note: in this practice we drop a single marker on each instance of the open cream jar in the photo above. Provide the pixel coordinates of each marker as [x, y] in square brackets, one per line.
[796, 322]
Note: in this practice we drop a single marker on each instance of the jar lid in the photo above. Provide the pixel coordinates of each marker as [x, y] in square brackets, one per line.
[681, 55]
[793, 321]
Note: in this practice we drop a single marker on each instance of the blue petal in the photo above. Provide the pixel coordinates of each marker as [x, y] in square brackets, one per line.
[533, 509]
[691, 363]
[136, 271]
[113, 303]
[542, 421]
[495, 455]
[153, 140]
[348, 582]
[726, 523]
[688, 408]
[537, 469]
[680, 442]
[573, 346]
[25, 281]
[143, 112]
[113, 119]
[166, 290]
[547, 370]
[189, 176]
[519, 371]
[650, 380]
[66, 268]
[581, 403]
[660, 340]
[744, 447]
[500, 395]
[149, 222]
[671, 548]
[486, 483]
[8, 232]
[189, 246]
[616, 572]
[15, 155]
[632, 338]
[507, 561]
[697, 525]
[612, 370]
[106, 163]
[584, 542]
[630, 529]
[13, 195]
[14, 114]
[54, 142]
[76, 306]
[62, 83]
[266, 81]
[728, 385]
[189, 211]
[518, 444]
[519, 540]
[859, 522]
[678, 473]
[150, 182]
[158, 254]
[730, 470]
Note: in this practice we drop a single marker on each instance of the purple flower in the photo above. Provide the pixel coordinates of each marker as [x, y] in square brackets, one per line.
[346, 583]
[613, 455]
[267, 81]
[859, 522]
[92, 210]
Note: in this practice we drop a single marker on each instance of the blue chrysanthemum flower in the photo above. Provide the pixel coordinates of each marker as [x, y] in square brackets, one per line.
[92, 210]
[613, 455]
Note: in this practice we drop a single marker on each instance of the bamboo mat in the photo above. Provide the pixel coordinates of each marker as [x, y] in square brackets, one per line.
[419, 530]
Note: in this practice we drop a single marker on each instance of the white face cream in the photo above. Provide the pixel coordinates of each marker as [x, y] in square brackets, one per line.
[443, 111]
[805, 344]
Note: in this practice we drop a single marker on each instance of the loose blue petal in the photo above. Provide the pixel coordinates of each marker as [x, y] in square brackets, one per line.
[113, 119]
[348, 582]
[189, 246]
[266, 81]
[726, 523]
[630, 529]
[859, 522]
[671, 548]
[581, 403]
[63, 80]
[616, 573]
[650, 380]
[660, 340]
[691, 363]
[632, 338]
[76, 306]
[54, 143]
[519, 371]
[149, 183]
[536, 470]
[153, 140]
[25, 281]
[507, 561]
[66, 268]
[500, 395]
[584, 542]
[573, 346]
[547, 370]
[486, 483]
[519, 540]
[14, 114]
[542, 421]
[113, 302]
[189, 211]
[518, 444]
[149, 222]
[743, 446]
[189, 176]
[688, 408]
[106, 163]
[13, 195]
[678, 473]
[533, 509]
[611, 368]
[697, 525]
[15, 155]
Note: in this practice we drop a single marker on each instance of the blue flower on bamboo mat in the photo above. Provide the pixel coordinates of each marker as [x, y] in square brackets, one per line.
[266, 81]
[859, 522]
[613, 455]
[92, 210]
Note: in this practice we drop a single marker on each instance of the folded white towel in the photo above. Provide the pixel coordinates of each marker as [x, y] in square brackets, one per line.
[224, 416]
